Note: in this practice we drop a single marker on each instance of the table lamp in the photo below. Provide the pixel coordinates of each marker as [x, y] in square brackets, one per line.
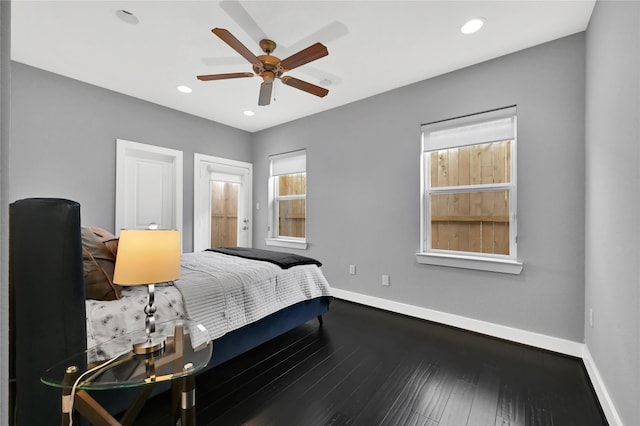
[147, 257]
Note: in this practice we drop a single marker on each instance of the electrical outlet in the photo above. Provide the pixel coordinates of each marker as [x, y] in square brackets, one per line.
[385, 280]
[591, 317]
[352, 269]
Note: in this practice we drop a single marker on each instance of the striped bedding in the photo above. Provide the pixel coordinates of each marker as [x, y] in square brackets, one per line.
[224, 292]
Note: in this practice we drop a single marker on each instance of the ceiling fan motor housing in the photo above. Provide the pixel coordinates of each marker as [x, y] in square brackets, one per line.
[268, 67]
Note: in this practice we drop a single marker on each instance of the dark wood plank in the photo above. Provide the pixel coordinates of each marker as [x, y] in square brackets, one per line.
[485, 398]
[457, 407]
[511, 411]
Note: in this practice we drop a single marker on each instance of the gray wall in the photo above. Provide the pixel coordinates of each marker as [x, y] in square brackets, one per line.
[5, 80]
[363, 190]
[64, 142]
[613, 200]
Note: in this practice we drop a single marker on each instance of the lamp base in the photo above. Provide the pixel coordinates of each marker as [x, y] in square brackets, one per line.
[149, 346]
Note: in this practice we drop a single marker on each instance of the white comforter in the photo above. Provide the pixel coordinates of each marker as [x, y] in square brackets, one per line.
[219, 291]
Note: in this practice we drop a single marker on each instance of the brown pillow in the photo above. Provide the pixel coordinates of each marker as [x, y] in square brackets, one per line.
[99, 263]
[107, 238]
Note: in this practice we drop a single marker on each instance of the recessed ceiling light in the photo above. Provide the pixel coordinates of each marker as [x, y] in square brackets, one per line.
[249, 113]
[472, 25]
[184, 89]
[127, 16]
[325, 82]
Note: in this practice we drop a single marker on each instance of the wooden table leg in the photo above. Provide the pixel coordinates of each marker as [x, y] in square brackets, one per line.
[92, 411]
[177, 343]
[136, 406]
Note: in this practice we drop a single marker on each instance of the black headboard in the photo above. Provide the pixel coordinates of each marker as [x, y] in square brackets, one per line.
[47, 301]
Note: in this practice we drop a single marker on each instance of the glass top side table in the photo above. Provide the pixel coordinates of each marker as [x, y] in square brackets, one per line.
[113, 365]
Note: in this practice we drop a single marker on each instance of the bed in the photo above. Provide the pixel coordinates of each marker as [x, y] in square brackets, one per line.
[48, 315]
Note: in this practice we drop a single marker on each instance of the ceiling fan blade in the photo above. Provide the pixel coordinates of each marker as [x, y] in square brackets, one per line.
[265, 93]
[303, 85]
[236, 45]
[311, 53]
[224, 76]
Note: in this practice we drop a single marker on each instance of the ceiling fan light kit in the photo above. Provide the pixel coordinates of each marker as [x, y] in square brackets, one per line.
[270, 67]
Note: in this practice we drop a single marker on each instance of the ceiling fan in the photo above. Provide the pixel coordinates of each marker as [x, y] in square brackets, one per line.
[270, 67]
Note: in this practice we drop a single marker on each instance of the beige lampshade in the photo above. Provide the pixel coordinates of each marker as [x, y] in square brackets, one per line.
[147, 256]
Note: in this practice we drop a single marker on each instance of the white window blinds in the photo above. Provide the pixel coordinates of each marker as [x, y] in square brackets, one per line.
[288, 163]
[493, 126]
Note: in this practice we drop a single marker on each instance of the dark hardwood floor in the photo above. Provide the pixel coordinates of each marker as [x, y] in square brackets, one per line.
[370, 367]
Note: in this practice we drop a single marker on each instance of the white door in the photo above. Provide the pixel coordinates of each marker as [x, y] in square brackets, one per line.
[222, 194]
[148, 186]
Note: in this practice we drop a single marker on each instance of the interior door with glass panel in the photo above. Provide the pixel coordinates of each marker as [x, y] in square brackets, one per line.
[224, 209]
[222, 203]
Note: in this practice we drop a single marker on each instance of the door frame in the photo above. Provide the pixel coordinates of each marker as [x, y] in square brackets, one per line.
[203, 165]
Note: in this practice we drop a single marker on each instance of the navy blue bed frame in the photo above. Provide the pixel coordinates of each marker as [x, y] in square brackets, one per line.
[47, 309]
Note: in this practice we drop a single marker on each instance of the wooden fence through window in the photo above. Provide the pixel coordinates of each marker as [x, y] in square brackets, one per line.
[474, 221]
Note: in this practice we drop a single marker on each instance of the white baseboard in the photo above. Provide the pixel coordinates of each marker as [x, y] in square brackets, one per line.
[555, 344]
[530, 338]
[603, 395]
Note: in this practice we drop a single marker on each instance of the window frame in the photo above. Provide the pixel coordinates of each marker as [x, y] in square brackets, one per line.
[465, 259]
[273, 231]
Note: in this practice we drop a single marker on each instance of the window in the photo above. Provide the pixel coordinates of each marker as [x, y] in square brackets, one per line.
[468, 206]
[288, 200]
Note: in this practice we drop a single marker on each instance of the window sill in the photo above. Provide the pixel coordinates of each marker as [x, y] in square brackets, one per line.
[470, 262]
[282, 242]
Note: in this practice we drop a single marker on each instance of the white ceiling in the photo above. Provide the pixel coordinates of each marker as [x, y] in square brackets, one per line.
[374, 46]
